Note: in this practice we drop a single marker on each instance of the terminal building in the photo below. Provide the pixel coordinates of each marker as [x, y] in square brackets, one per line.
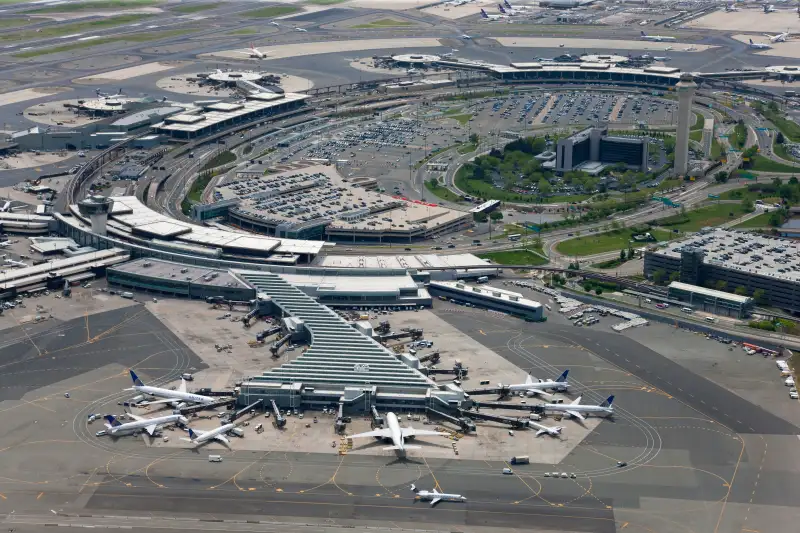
[762, 267]
[594, 145]
[487, 297]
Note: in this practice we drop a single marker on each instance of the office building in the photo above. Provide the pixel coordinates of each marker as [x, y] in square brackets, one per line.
[762, 267]
[587, 148]
[686, 88]
[706, 300]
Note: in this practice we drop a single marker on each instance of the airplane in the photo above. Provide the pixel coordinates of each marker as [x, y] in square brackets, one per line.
[553, 431]
[541, 387]
[575, 409]
[412, 71]
[661, 58]
[668, 48]
[486, 16]
[656, 38]
[759, 46]
[507, 11]
[398, 434]
[690, 48]
[435, 496]
[770, 9]
[5, 244]
[465, 37]
[730, 8]
[515, 8]
[15, 264]
[255, 52]
[780, 38]
[274, 23]
[170, 396]
[101, 94]
[148, 424]
[301, 29]
[201, 437]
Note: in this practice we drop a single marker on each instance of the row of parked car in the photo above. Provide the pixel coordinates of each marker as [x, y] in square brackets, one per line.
[786, 373]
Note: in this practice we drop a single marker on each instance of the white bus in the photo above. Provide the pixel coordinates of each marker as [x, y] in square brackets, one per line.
[515, 237]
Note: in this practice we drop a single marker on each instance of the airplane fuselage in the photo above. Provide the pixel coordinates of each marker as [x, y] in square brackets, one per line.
[173, 394]
[140, 424]
[209, 435]
[582, 409]
[430, 496]
[394, 427]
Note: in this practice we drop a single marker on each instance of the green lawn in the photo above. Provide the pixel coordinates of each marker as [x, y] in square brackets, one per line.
[384, 23]
[712, 215]
[789, 128]
[696, 135]
[744, 193]
[132, 38]
[515, 257]
[222, 158]
[243, 31]
[442, 192]
[759, 162]
[716, 149]
[198, 186]
[781, 151]
[597, 243]
[13, 23]
[699, 122]
[759, 221]
[271, 11]
[93, 6]
[69, 29]
[194, 8]
[467, 148]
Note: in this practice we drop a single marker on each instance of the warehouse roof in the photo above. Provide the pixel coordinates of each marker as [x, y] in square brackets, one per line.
[696, 289]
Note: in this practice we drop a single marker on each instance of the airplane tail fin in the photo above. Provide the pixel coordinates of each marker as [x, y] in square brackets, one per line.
[563, 377]
[643, 34]
[608, 401]
[483, 13]
[501, 8]
[192, 434]
[413, 487]
[136, 381]
[112, 422]
[506, 3]
[528, 380]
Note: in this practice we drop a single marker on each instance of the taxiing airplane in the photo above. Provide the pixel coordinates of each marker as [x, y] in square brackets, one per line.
[553, 431]
[435, 496]
[668, 48]
[661, 58]
[690, 48]
[398, 434]
[656, 38]
[170, 396]
[274, 23]
[486, 16]
[575, 409]
[148, 424]
[532, 387]
[759, 46]
[465, 37]
[780, 38]
[770, 9]
[301, 30]
[201, 437]
[255, 52]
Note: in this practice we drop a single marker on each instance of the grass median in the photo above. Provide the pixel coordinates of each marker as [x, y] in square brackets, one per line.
[598, 243]
[697, 219]
[516, 257]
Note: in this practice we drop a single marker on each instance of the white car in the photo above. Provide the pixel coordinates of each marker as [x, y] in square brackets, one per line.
[789, 382]
[793, 395]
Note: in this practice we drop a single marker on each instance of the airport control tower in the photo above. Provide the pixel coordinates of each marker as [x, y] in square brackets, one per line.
[686, 88]
[96, 208]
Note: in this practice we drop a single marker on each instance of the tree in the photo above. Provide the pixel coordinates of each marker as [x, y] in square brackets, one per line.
[659, 276]
[480, 217]
[776, 218]
[747, 205]
[544, 187]
[721, 285]
[760, 296]
[793, 181]
[777, 182]
[721, 176]
[496, 215]
[474, 138]
[674, 276]
[622, 255]
[598, 290]
[779, 138]
[740, 290]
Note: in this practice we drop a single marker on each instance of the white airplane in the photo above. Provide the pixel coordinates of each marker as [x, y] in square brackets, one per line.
[301, 29]
[148, 424]
[274, 23]
[770, 9]
[515, 8]
[690, 48]
[661, 58]
[5, 244]
[435, 496]
[412, 71]
[780, 38]
[553, 431]
[255, 52]
[730, 8]
[575, 409]
[491, 18]
[656, 38]
[465, 37]
[15, 264]
[510, 12]
[759, 46]
[170, 396]
[668, 48]
[201, 437]
[532, 387]
[398, 434]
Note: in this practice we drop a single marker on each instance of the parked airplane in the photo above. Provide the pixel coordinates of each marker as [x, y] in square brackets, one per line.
[465, 37]
[515, 8]
[148, 424]
[579, 411]
[780, 38]
[759, 46]
[435, 496]
[690, 48]
[15, 264]
[661, 58]
[201, 437]
[486, 16]
[731, 8]
[170, 396]
[255, 52]
[553, 431]
[532, 387]
[5, 244]
[398, 434]
[301, 29]
[656, 38]
[770, 9]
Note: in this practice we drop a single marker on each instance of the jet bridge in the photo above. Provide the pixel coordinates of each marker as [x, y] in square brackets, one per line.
[412, 333]
[280, 421]
[516, 423]
[244, 410]
[466, 425]
[377, 418]
[503, 405]
[202, 407]
[269, 332]
[279, 343]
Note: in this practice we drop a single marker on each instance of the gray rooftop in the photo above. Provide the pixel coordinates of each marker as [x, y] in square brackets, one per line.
[165, 270]
[338, 354]
[762, 255]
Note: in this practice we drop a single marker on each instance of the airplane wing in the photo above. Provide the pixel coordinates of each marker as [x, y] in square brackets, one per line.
[411, 432]
[182, 388]
[165, 400]
[222, 438]
[576, 401]
[382, 433]
[539, 392]
[136, 417]
[576, 414]
[435, 501]
[150, 429]
[541, 432]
